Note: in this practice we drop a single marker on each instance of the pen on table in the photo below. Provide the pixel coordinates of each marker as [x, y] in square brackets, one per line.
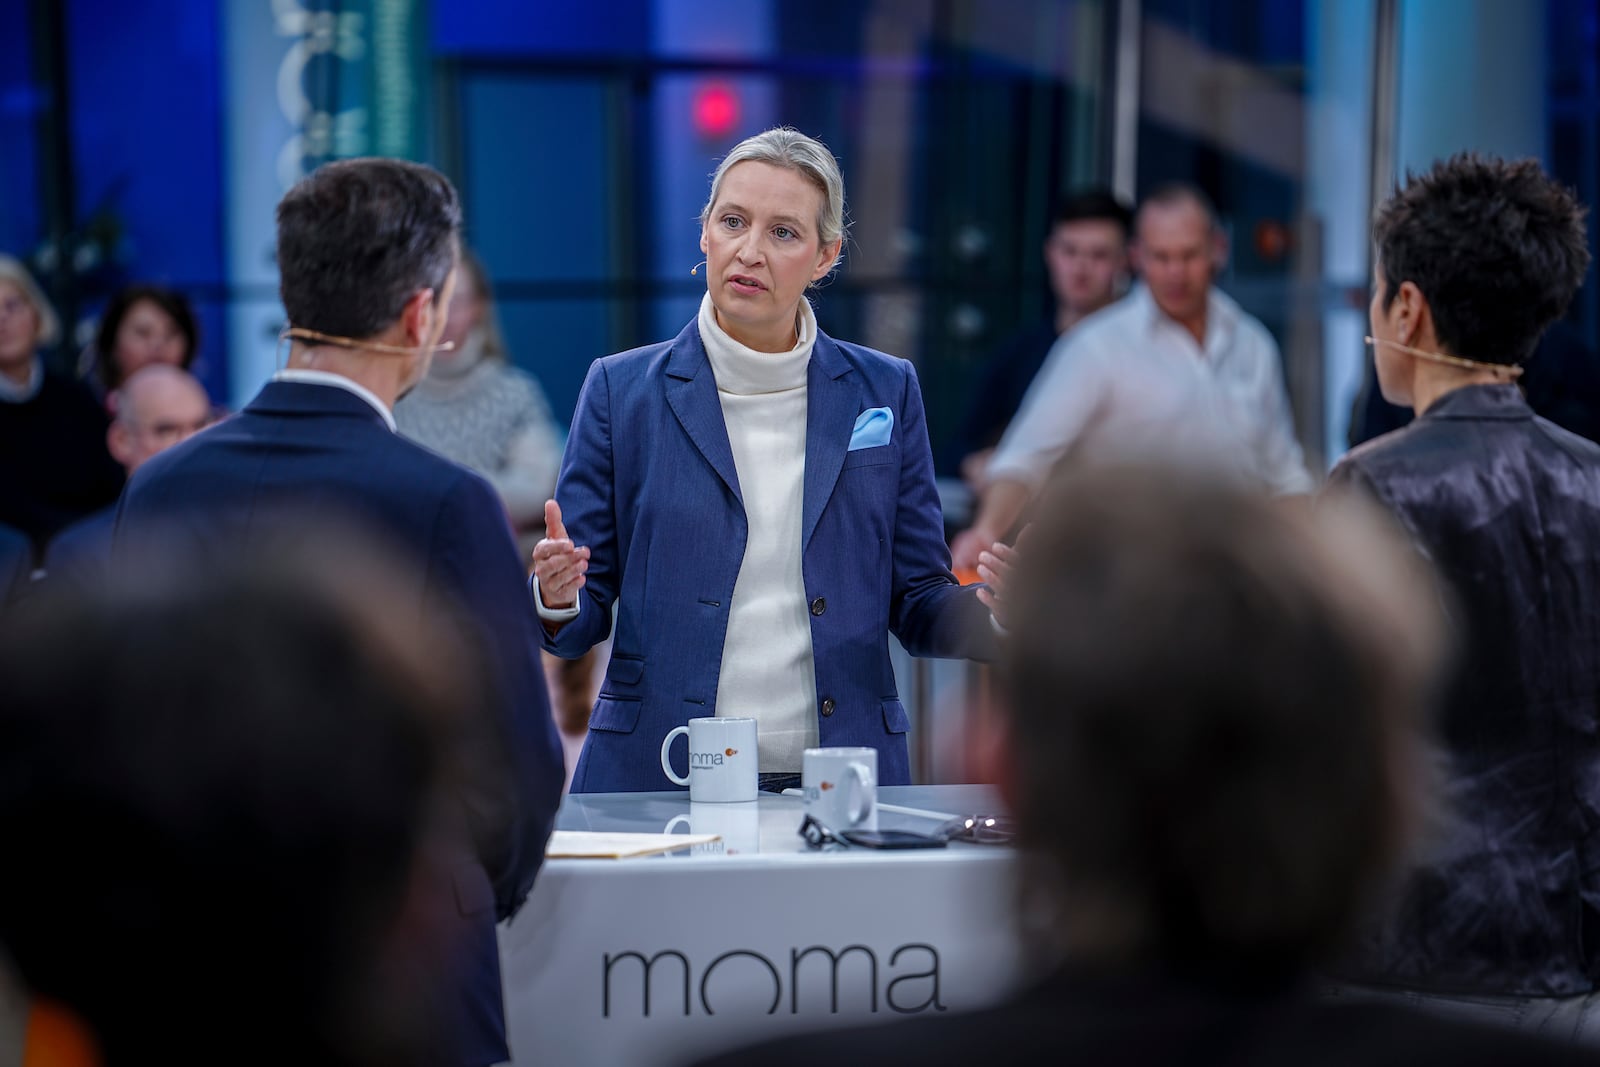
[896, 808]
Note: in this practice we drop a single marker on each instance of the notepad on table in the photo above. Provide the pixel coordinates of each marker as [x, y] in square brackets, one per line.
[583, 844]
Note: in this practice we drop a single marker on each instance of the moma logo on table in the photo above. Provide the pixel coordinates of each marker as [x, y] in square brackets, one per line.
[744, 979]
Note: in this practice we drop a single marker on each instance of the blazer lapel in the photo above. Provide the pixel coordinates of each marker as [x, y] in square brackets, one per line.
[692, 396]
[833, 400]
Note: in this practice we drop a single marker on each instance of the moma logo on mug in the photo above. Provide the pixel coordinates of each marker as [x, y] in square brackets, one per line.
[722, 759]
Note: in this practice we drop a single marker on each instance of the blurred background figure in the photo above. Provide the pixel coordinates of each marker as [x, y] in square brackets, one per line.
[1209, 738]
[54, 466]
[1086, 258]
[1174, 372]
[231, 839]
[478, 409]
[156, 407]
[16, 566]
[142, 325]
[1475, 258]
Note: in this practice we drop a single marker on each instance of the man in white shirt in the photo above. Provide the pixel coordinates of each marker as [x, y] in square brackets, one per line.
[1174, 371]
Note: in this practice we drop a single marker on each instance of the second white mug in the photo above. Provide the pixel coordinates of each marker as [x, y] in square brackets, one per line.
[840, 786]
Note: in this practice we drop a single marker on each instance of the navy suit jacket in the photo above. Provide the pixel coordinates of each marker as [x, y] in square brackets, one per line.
[16, 565]
[648, 483]
[302, 448]
[80, 555]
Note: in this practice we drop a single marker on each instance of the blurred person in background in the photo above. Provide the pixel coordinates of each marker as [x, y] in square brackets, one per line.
[16, 566]
[1176, 371]
[157, 407]
[757, 503]
[141, 325]
[478, 409]
[1474, 259]
[1086, 258]
[54, 466]
[1209, 736]
[367, 252]
[230, 839]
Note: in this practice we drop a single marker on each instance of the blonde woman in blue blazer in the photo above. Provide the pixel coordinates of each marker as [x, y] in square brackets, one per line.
[754, 503]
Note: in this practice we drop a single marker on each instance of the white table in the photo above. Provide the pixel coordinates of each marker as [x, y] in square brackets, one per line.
[650, 960]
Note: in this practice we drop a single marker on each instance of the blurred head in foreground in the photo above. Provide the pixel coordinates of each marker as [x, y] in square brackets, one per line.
[228, 838]
[1213, 701]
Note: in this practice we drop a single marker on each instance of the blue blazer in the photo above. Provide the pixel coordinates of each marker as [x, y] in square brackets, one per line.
[648, 483]
[16, 566]
[305, 448]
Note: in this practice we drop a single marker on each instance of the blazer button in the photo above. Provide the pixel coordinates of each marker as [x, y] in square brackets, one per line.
[819, 605]
[827, 706]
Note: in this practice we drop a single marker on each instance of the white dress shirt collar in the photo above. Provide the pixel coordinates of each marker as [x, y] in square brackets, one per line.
[338, 381]
[12, 393]
[1222, 317]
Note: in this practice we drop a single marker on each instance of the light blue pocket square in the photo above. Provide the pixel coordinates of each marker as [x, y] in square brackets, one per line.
[872, 429]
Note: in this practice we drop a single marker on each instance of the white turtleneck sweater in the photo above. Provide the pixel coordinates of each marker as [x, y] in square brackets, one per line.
[767, 667]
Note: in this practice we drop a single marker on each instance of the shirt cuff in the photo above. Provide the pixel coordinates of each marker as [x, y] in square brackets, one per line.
[555, 614]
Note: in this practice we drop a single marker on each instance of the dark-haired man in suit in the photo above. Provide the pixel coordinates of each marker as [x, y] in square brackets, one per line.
[367, 254]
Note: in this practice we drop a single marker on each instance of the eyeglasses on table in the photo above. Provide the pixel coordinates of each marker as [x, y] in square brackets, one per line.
[977, 829]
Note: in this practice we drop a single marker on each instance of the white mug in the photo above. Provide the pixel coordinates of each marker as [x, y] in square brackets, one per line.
[840, 786]
[739, 826]
[722, 760]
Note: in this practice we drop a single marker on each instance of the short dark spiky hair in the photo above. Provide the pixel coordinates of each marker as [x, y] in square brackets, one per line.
[1496, 246]
[358, 237]
[1098, 204]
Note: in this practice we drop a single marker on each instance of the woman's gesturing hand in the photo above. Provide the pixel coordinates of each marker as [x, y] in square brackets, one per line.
[994, 567]
[559, 565]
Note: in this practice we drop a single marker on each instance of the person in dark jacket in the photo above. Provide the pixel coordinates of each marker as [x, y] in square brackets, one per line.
[1208, 738]
[1561, 382]
[1475, 259]
[367, 253]
[1086, 257]
[54, 467]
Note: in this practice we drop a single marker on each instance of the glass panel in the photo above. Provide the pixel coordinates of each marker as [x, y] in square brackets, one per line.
[956, 124]
[1224, 104]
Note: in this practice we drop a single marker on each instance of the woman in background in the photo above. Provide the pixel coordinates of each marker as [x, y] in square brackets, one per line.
[476, 408]
[143, 324]
[54, 465]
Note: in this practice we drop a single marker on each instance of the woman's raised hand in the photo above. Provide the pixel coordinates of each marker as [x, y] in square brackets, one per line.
[994, 567]
[559, 565]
